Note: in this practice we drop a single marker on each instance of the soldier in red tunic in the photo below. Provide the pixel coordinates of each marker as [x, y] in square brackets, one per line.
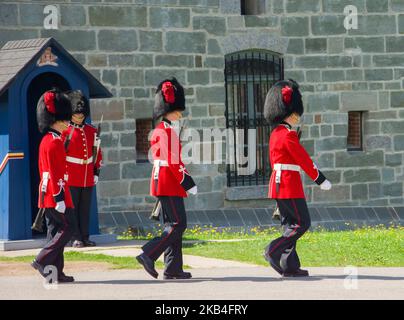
[53, 113]
[284, 107]
[170, 182]
[84, 160]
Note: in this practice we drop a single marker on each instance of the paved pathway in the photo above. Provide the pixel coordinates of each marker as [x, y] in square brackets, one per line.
[213, 279]
[213, 283]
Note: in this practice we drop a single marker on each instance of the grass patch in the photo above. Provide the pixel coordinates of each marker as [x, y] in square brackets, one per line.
[372, 246]
[115, 262]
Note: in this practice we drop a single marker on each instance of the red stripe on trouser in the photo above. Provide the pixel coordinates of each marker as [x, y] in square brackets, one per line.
[292, 234]
[298, 218]
[171, 231]
[65, 225]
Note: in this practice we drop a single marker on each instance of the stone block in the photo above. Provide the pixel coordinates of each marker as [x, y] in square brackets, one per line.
[338, 194]
[72, 40]
[140, 187]
[358, 101]
[365, 44]
[248, 216]
[375, 25]
[295, 46]
[345, 159]
[361, 175]
[298, 6]
[110, 189]
[161, 18]
[9, 14]
[136, 170]
[73, 16]
[397, 99]
[154, 76]
[174, 61]
[213, 25]
[117, 16]
[131, 77]
[117, 40]
[111, 109]
[316, 45]
[394, 160]
[294, 26]
[151, 41]
[378, 142]
[377, 5]
[326, 25]
[398, 142]
[214, 94]
[110, 172]
[233, 217]
[378, 74]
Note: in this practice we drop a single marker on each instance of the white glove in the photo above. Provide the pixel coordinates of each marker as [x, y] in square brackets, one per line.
[326, 185]
[60, 206]
[193, 190]
[95, 179]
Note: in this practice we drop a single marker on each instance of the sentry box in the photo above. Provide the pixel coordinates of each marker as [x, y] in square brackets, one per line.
[27, 69]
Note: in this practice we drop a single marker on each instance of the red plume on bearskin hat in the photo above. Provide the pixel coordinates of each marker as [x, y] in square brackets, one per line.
[53, 106]
[170, 96]
[282, 100]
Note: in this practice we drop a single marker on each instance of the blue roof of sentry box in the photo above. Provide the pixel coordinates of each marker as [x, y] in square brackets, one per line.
[15, 56]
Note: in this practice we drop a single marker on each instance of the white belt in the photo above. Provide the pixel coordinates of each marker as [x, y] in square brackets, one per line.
[157, 164]
[79, 161]
[279, 167]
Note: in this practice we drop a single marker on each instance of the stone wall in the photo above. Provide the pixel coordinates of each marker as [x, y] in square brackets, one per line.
[131, 45]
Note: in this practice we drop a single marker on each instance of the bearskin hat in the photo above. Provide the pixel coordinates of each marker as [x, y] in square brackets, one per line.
[53, 106]
[170, 96]
[79, 102]
[282, 100]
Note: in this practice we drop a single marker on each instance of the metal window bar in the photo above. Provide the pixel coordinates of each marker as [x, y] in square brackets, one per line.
[248, 77]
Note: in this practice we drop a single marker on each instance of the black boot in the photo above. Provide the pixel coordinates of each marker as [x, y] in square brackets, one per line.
[180, 275]
[89, 243]
[148, 265]
[297, 273]
[37, 266]
[64, 278]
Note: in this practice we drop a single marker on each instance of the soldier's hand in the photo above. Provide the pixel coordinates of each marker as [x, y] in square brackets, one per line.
[95, 180]
[193, 190]
[60, 206]
[326, 185]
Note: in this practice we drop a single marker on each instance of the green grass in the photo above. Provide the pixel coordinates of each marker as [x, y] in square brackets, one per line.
[374, 247]
[115, 262]
[371, 246]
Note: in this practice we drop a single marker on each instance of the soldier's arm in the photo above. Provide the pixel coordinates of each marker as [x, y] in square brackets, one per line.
[57, 169]
[302, 158]
[171, 151]
[98, 163]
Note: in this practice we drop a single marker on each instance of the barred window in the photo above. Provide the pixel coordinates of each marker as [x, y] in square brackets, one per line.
[252, 7]
[248, 76]
[143, 127]
[355, 124]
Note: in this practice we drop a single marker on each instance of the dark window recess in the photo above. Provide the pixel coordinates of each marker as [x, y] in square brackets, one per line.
[355, 130]
[248, 76]
[143, 127]
[252, 7]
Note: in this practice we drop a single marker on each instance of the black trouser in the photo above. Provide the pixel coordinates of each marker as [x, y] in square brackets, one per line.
[82, 204]
[296, 221]
[170, 241]
[59, 234]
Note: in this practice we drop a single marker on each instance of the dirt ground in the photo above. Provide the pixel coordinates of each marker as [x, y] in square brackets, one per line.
[23, 269]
